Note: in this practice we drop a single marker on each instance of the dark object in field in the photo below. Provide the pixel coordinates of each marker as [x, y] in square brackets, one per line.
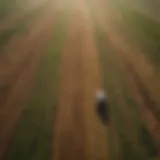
[102, 107]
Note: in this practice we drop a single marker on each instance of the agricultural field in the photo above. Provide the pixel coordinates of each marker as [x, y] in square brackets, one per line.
[142, 28]
[147, 7]
[54, 56]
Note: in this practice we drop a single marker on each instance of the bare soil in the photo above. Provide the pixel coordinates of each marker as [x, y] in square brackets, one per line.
[79, 132]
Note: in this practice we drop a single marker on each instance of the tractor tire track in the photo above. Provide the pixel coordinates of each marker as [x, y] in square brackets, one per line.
[96, 132]
[67, 142]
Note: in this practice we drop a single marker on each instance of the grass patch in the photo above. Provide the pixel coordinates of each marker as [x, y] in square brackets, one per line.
[7, 7]
[145, 31]
[34, 134]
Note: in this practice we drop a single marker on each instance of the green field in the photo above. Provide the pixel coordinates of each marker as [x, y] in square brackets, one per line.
[35, 128]
[134, 139]
[129, 138]
[9, 7]
[20, 27]
[144, 31]
[13, 7]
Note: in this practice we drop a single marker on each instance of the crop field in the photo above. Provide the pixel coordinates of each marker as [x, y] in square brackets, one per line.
[54, 56]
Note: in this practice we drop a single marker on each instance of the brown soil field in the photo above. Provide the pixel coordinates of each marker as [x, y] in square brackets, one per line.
[79, 132]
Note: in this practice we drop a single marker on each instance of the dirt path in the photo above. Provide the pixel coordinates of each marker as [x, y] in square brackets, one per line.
[64, 138]
[79, 133]
[18, 93]
[96, 132]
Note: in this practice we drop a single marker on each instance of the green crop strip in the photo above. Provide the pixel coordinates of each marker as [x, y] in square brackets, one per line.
[145, 31]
